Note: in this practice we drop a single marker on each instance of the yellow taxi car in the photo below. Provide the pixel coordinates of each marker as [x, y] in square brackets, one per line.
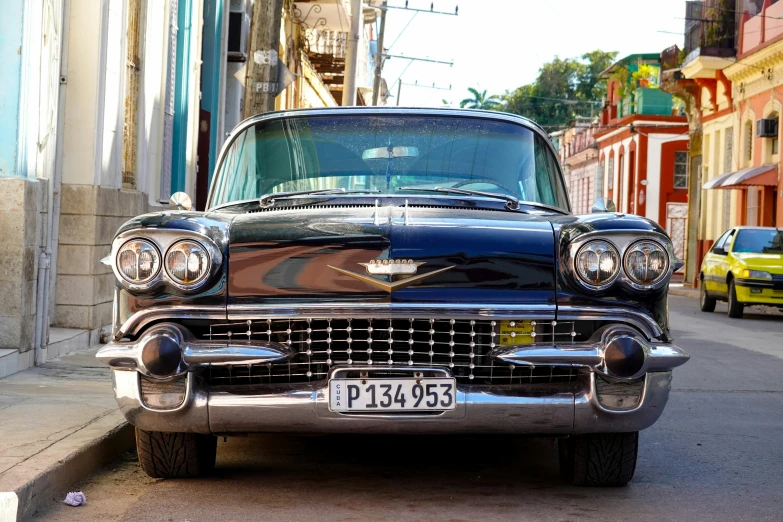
[744, 267]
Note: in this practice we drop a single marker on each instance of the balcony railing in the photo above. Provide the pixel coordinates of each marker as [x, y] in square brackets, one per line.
[709, 30]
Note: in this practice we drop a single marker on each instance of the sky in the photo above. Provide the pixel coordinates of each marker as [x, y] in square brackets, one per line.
[499, 45]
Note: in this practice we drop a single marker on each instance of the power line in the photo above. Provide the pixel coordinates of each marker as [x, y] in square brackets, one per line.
[403, 30]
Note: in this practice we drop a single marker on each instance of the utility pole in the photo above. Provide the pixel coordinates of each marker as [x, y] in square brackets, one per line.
[379, 56]
[261, 85]
[399, 89]
[351, 63]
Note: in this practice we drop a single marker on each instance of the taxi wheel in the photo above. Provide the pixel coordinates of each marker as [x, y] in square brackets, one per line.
[735, 307]
[706, 303]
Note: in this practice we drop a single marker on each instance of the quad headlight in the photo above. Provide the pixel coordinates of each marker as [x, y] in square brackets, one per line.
[187, 263]
[646, 263]
[597, 264]
[138, 261]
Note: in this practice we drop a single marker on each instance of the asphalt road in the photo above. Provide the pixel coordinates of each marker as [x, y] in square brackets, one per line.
[716, 454]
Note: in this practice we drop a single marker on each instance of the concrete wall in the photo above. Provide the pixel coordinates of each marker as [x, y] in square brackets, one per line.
[23, 207]
[89, 220]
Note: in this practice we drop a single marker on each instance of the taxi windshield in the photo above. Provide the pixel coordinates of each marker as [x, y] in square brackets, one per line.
[386, 153]
[759, 242]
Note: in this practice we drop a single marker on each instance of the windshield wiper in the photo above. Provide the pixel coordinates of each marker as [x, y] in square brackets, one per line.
[512, 203]
[269, 199]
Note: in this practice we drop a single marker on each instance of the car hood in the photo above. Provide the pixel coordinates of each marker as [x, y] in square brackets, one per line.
[315, 254]
[768, 262]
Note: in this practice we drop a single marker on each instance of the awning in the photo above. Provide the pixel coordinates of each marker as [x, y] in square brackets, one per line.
[765, 175]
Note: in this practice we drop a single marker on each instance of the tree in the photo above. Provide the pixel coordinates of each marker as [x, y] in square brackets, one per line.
[480, 100]
[565, 88]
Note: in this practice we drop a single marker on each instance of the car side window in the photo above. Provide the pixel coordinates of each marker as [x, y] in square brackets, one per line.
[717, 248]
[727, 242]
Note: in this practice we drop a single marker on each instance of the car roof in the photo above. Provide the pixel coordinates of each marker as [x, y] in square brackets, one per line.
[432, 111]
[744, 227]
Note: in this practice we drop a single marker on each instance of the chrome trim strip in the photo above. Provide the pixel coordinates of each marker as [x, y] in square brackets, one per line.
[142, 318]
[644, 323]
[380, 310]
[591, 355]
[127, 355]
[234, 353]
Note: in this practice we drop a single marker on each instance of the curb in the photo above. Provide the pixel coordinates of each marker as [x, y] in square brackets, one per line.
[44, 481]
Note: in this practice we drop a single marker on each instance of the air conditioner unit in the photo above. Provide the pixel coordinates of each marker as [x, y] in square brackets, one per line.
[767, 128]
[238, 29]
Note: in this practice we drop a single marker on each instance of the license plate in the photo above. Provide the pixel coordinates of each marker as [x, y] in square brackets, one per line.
[376, 395]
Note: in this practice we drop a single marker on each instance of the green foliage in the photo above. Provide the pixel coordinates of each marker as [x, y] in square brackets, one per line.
[563, 90]
[480, 100]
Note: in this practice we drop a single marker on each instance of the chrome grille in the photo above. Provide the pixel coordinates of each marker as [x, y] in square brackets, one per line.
[460, 345]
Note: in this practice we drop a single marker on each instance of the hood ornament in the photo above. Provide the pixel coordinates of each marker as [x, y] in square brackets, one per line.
[405, 268]
[392, 267]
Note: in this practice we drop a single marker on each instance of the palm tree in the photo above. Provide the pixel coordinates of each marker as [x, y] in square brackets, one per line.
[480, 100]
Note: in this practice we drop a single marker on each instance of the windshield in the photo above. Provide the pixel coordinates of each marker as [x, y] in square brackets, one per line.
[759, 242]
[387, 152]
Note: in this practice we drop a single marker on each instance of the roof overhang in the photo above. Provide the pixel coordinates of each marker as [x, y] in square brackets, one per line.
[763, 176]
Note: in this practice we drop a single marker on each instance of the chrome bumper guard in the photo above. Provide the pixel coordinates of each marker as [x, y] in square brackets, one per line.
[617, 353]
[480, 409]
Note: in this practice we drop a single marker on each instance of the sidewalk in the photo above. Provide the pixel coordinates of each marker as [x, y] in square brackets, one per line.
[683, 291]
[58, 423]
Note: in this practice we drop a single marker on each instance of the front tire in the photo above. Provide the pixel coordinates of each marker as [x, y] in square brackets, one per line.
[736, 309]
[175, 455]
[600, 459]
[706, 303]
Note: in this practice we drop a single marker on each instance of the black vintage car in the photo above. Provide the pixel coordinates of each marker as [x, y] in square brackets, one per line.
[391, 271]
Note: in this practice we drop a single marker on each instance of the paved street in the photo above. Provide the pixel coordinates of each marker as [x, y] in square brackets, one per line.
[716, 454]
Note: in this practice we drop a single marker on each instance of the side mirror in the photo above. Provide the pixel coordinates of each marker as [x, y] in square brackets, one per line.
[181, 201]
[603, 205]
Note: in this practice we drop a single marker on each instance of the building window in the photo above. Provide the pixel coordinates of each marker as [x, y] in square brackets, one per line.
[748, 142]
[681, 169]
[610, 178]
[775, 142]
[599, 181]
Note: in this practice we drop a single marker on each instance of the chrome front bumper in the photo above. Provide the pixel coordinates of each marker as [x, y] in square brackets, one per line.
[480, 409]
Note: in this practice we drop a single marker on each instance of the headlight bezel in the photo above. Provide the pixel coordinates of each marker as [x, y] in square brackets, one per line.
[618, 262]
[162, 240]
[633, 247]
[623, 241]
[198, 283]
[121, 275]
